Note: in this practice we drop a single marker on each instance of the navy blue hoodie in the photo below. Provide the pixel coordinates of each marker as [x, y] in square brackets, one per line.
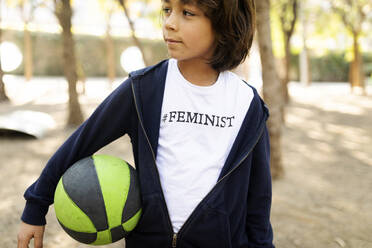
[235, 213]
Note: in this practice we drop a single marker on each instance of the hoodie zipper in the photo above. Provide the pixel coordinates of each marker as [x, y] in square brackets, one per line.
[248, 153]
[174, 240]
[175, 235]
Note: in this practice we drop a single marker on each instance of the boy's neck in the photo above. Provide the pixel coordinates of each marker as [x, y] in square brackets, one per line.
[198, 72]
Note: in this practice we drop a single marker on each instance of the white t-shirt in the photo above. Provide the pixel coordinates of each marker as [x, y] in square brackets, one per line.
[198, 127]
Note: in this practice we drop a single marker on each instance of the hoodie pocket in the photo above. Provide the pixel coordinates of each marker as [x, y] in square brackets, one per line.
[153, 216]
[152, 229]
[209, 229]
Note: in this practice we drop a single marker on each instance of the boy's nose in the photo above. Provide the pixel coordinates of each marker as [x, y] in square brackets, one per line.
[171, 22]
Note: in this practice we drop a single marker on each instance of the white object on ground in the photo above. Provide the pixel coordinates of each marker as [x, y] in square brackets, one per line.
[29, 122]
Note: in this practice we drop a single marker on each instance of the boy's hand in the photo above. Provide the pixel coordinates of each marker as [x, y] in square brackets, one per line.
[27, 232]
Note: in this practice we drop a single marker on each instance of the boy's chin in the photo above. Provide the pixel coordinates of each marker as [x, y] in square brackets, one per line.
[173, 56]
[178, 57]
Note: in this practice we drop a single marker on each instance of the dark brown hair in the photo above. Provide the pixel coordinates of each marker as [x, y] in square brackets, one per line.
[233, 22]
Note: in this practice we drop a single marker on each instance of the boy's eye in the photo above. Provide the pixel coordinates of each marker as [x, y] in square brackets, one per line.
[166, 10]
[188, 13]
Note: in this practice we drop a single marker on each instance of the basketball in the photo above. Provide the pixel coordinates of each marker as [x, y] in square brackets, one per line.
[97, 200]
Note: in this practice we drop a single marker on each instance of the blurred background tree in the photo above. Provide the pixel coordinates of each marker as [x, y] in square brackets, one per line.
[321, 36]
[287, 11]
[271, 86]
[353, 14]
[3, 96]
[123, 4]
[304, 60]
[109, 7]
[63, 11]
[26, 10]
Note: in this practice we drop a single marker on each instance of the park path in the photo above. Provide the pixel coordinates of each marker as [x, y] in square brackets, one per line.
[323, 201]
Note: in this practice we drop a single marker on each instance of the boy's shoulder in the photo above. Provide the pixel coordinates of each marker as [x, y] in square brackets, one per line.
[246, 90]
[243, 84]
[141, 72]
[256, 97]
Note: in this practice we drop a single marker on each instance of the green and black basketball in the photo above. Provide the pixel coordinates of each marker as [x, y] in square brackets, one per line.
[97, 201]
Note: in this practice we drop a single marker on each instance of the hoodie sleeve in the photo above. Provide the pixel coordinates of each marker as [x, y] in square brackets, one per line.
[259, 228]
[113, 118]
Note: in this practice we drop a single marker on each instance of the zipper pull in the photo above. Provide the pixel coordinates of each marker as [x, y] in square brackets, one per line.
[174, 240]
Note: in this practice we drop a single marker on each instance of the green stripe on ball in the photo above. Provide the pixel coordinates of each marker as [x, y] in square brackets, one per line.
[103, 238]
[114, 185]
[132, 222]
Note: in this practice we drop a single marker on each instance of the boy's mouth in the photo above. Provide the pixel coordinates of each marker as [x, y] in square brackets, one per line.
[172, 41]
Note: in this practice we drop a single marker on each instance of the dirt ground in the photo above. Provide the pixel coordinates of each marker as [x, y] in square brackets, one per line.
[323, 201]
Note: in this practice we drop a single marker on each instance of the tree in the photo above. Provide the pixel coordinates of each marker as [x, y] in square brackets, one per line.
[133, 34]
[27, 9]
[109, 7]
[64, 12]
[353, 14]
[3, 96]
[271, 85]
[304, 61]
[287, 11]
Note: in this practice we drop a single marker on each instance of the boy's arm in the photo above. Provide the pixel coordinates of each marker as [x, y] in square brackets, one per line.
[112, 119]
[259, 228]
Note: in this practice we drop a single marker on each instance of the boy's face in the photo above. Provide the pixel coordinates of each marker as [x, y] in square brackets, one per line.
[187, 31]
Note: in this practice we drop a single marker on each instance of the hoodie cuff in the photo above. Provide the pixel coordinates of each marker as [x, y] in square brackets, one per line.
[34, 214]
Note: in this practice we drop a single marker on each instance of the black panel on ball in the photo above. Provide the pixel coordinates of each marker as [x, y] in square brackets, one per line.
[86, 238]
[118, 233]
[81, 184]
[133, 203]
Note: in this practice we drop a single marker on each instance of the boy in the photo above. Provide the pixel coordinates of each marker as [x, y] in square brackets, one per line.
[198, 132]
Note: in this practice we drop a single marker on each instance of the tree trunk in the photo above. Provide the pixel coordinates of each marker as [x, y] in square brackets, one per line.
[81, 81]
[287, 63]
[110, 57]
[287, 26]
[28, 53]
[271, 86]
[133, 34]
[64, 14]
[3, 96]
[305, 73]
[356, 67]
